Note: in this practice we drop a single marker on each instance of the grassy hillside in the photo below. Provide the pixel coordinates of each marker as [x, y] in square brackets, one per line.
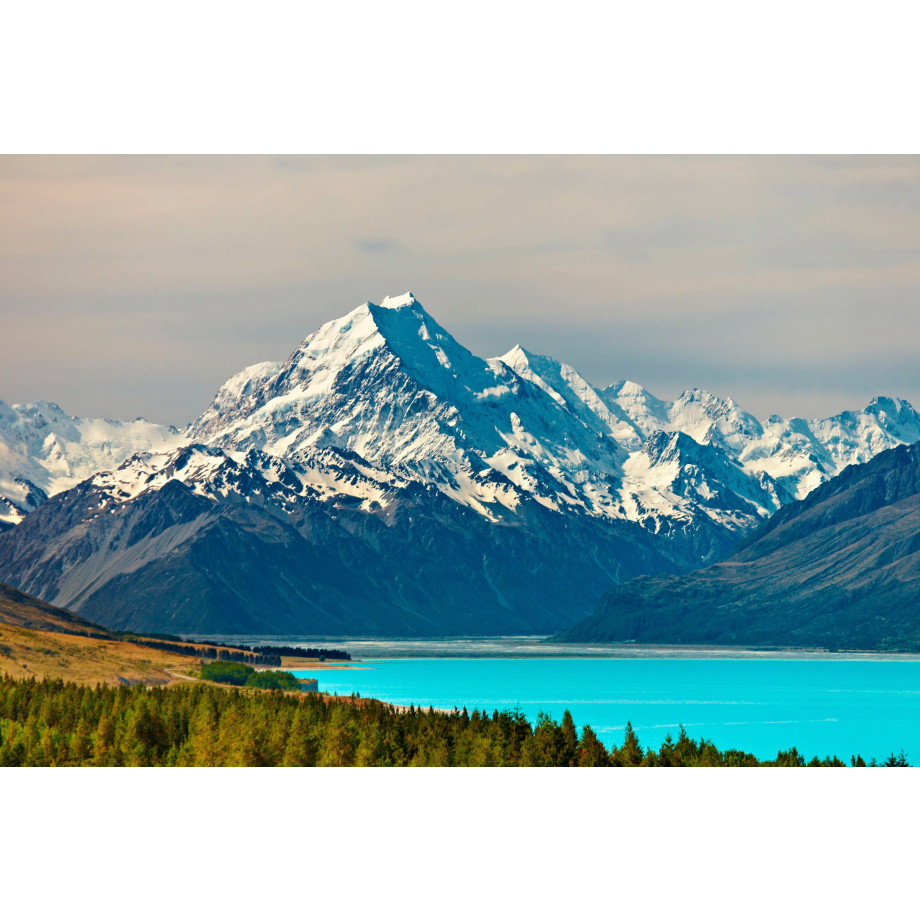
[19, 609]
[40, 640]
[85, 659]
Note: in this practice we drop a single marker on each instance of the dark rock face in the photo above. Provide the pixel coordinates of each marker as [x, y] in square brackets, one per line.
[839, 569]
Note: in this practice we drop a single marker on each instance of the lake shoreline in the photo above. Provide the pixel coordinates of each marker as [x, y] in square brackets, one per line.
[371, 648]
[825, 706]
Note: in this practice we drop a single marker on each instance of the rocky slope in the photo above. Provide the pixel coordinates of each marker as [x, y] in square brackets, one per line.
[203, 540]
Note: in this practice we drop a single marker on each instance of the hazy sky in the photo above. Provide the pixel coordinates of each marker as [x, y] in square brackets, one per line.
[136, 285]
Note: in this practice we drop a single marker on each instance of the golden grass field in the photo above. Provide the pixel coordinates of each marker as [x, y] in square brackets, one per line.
[36, 641]
[18, 609]
[86, 660]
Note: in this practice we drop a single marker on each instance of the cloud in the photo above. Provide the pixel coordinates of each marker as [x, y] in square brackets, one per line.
[664, 269]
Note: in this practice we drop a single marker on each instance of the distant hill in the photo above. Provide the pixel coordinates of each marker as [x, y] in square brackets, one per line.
[839, 569]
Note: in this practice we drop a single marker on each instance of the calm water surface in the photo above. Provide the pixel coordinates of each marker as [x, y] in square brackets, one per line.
[822, 706]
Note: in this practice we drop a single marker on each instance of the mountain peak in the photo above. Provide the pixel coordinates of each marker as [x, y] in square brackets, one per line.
[517, 356]
[890, 405]
[398, 302]
[698, 394]
[625, 388]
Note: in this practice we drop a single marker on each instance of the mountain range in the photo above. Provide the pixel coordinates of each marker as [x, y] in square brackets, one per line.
[384, 480]
[841, 568]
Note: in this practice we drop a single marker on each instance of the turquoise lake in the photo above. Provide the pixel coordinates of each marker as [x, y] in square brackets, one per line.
[822, 707]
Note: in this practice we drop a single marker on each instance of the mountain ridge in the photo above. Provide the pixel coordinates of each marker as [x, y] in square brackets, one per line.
[381, 435]
[477, 414]
[840, 568]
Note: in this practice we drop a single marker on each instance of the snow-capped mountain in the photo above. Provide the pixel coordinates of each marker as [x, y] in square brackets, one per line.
[388, 383]
[44, 451]
[207, 540]
[797, 454]
[416, 471]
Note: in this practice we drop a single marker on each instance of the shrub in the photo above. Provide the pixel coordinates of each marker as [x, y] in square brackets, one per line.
[273, 680]
[227, 672]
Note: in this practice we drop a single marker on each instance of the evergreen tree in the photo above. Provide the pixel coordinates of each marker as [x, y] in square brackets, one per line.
[53, 723]
[591, 753]
[339, 740]
[630, 755]
[569, 739]
[202, 748]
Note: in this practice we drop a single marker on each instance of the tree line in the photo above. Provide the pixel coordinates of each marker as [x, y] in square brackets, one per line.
[218, 653]
[53, 723]
[267, 655]
[333, 654]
